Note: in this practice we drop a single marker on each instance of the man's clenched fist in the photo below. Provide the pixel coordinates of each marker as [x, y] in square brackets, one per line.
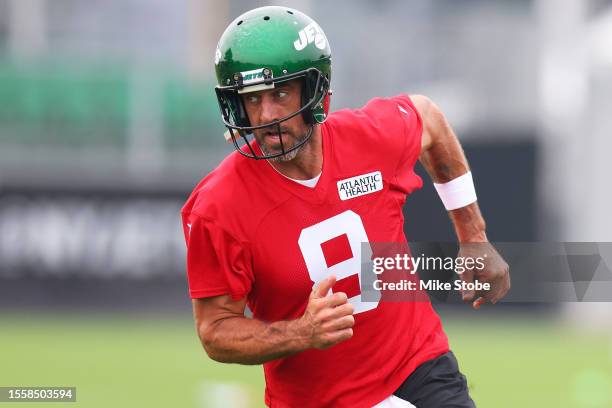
[328, 320]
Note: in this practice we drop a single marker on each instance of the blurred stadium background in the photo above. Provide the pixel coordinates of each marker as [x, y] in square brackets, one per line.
[108, 119]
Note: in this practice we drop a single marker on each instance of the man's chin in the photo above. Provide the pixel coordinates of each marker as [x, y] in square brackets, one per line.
[288, 156]
[270, 150]
[277, 153]
[271, 147]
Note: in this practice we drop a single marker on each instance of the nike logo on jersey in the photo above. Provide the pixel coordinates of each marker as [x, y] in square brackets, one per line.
[360, 185]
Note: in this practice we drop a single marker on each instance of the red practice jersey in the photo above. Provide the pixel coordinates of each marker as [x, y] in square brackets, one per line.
[252, 232]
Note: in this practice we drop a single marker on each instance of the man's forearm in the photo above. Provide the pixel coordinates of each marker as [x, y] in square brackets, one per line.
[444, 160]
[469, 224]
[229, 337]
[250, 341]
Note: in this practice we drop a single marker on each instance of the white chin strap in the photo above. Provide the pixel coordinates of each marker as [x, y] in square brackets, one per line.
[458, 192]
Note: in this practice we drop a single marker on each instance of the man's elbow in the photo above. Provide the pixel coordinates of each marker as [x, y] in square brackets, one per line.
[209, 337]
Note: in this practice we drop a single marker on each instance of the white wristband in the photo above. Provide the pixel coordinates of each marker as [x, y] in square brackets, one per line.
[458, 192]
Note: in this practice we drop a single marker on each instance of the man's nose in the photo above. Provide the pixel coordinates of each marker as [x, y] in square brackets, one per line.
[269, 110]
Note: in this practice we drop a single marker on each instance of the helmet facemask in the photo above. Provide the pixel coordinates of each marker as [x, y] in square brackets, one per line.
[315, 88]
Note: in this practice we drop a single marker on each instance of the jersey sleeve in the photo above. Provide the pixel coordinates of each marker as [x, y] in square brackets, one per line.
[411, 130]
[217, 262]
[397, 128]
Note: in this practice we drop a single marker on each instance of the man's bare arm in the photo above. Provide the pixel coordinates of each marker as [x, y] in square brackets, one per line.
[444, 160]
[230, 337]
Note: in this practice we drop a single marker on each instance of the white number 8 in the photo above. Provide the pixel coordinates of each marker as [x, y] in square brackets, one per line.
[310, 241]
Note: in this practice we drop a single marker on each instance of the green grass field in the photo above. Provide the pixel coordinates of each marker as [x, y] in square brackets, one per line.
[158, 362]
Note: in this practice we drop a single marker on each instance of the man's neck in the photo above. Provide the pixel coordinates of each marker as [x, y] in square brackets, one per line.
[308, 162]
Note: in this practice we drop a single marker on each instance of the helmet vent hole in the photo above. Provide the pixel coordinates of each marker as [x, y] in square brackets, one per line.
[266, 18]
[289, 11]
[240, 22]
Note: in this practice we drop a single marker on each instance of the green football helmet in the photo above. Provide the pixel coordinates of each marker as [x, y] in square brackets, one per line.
[264, 47]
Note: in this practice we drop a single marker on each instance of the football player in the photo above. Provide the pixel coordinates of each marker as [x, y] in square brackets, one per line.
[279, 224]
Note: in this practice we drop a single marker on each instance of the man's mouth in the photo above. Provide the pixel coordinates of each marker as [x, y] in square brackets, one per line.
[274, 136]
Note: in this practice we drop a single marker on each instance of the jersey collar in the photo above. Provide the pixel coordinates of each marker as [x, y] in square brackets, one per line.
[315, 194]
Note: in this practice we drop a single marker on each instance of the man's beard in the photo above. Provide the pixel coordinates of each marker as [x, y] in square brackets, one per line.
[289, 155]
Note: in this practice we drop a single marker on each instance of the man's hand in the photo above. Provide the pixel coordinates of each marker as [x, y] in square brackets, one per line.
[496, 272]
[328, 320]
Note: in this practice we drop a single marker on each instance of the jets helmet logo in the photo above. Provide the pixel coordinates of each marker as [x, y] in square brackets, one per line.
[309, 34]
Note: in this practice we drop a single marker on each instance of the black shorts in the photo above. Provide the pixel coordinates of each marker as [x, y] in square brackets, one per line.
[437, 383]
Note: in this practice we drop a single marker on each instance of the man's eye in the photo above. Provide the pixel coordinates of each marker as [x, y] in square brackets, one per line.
[252, 99]
[282, 94]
